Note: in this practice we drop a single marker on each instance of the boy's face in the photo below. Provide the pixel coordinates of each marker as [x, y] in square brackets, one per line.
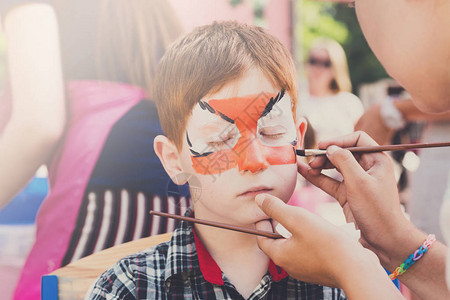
[238, 143]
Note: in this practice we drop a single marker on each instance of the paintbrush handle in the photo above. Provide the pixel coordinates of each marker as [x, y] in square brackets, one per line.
[396, 147]
[219, 225]
[371, 149]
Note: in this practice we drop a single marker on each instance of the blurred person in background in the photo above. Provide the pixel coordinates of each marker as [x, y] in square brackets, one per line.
[330, 107]
[80, 75]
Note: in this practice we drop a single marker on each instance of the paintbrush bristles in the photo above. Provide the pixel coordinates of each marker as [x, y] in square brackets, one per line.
[311, 152]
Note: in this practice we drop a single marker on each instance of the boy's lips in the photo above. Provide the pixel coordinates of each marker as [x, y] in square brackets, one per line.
[252, 192]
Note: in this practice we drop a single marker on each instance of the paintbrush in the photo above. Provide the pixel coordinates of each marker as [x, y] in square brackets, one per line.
[219, 225]
[371, 149]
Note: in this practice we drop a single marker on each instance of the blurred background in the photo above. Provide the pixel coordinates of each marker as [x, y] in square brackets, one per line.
[297, 23]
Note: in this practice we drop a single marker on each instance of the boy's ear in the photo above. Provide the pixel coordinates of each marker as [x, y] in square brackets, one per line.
[169, 156]
[301, 129]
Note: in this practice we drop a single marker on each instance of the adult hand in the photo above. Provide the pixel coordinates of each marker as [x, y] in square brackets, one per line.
[306, 255]
[372, 123]
[368, 195]
[322, 253]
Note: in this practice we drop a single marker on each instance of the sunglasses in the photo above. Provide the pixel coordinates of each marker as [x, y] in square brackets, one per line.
[317, 62]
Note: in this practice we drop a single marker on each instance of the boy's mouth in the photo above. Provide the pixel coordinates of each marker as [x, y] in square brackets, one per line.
[252, 192]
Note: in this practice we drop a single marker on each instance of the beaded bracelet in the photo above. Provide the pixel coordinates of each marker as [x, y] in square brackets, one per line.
[413, 257]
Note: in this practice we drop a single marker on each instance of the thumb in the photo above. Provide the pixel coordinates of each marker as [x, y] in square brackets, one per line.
[287, 215]
[347, 164]
[267, 245]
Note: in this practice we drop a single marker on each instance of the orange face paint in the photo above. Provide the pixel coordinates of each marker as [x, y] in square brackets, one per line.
[248, 153]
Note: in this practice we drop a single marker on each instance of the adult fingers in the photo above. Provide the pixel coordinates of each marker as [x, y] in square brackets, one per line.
[320, 162]
[351, 140]
[267, 245]
[287, 215]
[358, 138]
[346, 163]
[273, 207]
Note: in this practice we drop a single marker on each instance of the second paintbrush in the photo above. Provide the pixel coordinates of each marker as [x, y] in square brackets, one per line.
[219, 225]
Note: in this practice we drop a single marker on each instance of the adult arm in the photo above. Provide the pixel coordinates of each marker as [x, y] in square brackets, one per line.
[322, 253]
[372, 123]
[369, 196]
[38, 107]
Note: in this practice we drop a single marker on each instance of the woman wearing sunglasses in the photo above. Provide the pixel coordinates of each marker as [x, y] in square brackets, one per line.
[331, 108]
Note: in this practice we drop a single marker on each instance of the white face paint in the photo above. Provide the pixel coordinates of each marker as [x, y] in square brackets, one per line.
[277, 127]
[210, 133]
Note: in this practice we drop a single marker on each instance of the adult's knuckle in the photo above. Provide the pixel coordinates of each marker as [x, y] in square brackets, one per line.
[343, 155]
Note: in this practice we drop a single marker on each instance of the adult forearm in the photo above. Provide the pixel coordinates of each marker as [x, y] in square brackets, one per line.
[34, 65]
[38, 107]
[366, 279]
[426, 277]
[23, 149]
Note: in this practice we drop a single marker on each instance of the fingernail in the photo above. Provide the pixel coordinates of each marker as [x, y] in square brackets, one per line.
[283, 231]
[332, 149]
[260, 199]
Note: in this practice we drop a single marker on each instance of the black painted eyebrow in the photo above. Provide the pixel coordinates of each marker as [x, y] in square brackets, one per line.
[188, 140]
[271, 103]
[196, 154]
[193, 152]
[225, 117]
[205, 106]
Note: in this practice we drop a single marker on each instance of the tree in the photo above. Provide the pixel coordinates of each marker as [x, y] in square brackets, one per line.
[339, 22]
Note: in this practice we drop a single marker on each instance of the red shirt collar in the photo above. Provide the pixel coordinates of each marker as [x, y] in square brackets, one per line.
[212, 272]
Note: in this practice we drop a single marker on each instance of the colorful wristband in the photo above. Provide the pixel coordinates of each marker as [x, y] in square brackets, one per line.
[413, 257]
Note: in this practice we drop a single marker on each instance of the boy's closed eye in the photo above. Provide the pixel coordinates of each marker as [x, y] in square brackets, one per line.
[272, 132]
[277, 135]
[222, 138]
[222, 142]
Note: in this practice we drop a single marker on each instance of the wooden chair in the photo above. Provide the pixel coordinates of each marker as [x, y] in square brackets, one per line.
[73, 280]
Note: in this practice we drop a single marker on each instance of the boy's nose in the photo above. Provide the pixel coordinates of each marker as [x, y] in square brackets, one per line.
[252, 157]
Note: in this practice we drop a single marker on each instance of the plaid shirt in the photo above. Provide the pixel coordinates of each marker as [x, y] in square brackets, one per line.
[183, 269]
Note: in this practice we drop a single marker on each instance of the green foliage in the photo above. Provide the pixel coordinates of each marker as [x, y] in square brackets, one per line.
[363, 65]
[235, 2]
[338, 21]
[258, 10]
[317, 20]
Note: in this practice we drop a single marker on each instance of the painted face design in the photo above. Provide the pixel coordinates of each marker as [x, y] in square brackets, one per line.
[252, 132]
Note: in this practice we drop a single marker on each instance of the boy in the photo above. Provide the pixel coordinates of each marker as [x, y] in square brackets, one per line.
[226, 96]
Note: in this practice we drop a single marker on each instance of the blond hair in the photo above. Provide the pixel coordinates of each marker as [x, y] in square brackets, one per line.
[341, 79]
[202, 62]
[132, 37]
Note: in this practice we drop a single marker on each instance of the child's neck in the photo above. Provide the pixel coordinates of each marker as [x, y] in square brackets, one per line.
[237, 255]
